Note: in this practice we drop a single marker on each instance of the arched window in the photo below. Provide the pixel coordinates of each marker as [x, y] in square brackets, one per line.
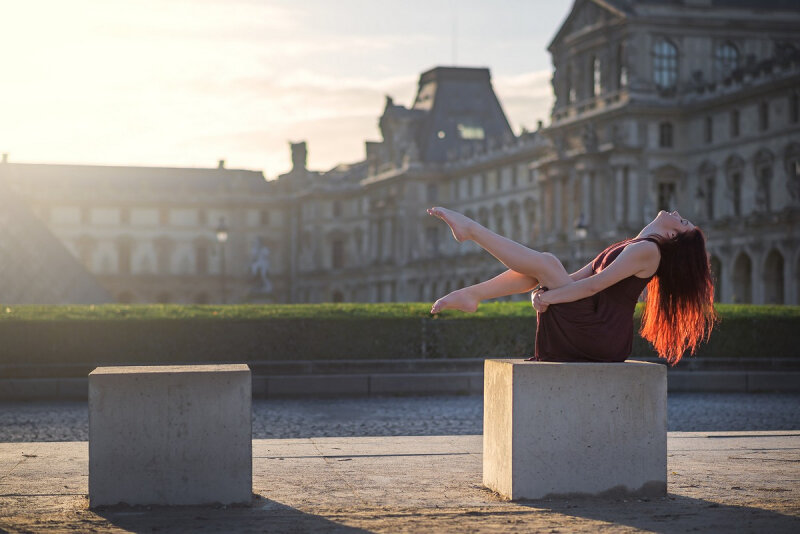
[762, 165]
[735, 123]
[665, 64]
[708, 183]
[763, 115]
[666, 196]
[597, 86]
[622, 68]
[734, 170]
[665, 135]
[726, 59]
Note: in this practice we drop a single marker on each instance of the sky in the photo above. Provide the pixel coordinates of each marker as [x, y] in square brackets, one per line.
[185, 83]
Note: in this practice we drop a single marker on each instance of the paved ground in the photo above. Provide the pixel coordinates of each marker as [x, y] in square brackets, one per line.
[717, 482]
[408, 416]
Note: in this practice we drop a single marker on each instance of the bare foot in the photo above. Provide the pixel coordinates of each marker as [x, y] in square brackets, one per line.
[461, 225]
[460, 299]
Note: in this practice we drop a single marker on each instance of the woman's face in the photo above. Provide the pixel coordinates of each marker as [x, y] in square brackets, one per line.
[670, 223]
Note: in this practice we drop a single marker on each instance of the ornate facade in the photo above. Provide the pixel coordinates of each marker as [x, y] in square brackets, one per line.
[688, 105]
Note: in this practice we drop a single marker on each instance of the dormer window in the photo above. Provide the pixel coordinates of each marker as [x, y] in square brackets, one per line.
[597, 87]
[470, 131]
[622, 69]
[665, 64]
[726, 59]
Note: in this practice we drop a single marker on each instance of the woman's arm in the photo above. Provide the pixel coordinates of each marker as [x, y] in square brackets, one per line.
[584, 272]
[636, 259]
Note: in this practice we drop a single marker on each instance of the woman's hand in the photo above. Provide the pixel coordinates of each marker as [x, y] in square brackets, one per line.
[537, 302]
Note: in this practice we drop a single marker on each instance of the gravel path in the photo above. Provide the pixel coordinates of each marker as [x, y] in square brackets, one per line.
[407, 416]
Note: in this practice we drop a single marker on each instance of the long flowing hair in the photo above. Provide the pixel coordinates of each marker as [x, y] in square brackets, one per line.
[679, 312]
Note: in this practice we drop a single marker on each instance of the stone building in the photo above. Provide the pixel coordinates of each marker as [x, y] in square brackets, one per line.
[659, 104]
[360, 232]
[688, 105]
[150, 234]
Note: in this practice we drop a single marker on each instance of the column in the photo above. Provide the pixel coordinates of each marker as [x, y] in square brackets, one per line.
[587, 196]
[619, 195]
[633, 197]
[558, 185]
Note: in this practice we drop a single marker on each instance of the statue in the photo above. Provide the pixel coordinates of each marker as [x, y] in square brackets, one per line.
[259, 265]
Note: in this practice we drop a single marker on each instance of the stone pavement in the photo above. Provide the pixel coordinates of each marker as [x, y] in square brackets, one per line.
[407, 416]
[717, 482]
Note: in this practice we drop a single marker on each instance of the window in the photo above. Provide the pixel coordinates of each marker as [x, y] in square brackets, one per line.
[201, 253]
[665, 135]
[665, 64]
[763, 116]
[264, 216]
[622, 69]
[762, 163]
[336, 208]
[794, 108]
[736, 192]
[709, 130]
[337, 253]
[433, 193]
[596, 87]
[470, 131]
[710, 186]
[570, 90]
[726, 60]
[735, 123]
[666, 196]
[432, 240]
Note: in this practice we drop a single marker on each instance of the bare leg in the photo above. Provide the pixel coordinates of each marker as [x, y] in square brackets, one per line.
[468, 298]
[539, 265]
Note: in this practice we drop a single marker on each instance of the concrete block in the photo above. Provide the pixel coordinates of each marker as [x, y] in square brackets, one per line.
[708, 381]
[170, 435]
[317, 386]
[557, 429]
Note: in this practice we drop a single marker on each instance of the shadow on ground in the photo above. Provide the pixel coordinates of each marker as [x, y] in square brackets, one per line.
[263, 515]
[673, 514]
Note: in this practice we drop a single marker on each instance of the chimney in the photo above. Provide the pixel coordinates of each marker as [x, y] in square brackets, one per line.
[221, 164]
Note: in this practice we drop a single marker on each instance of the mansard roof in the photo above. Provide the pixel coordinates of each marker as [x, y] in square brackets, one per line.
[460, 107]
[586, 13]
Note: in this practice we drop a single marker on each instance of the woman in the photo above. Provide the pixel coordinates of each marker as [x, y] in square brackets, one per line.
[588, 315]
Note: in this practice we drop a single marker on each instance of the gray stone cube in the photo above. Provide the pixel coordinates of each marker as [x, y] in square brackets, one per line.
[170, 435]
[555, 429]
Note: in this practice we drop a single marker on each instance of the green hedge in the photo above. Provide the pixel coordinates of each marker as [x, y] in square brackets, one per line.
[150, 334]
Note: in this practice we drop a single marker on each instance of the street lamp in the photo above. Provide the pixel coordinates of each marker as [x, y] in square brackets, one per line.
[222, 237]
[581, 228]
[581, 231]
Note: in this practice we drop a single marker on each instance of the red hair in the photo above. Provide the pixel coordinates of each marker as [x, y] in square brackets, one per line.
[679, 312]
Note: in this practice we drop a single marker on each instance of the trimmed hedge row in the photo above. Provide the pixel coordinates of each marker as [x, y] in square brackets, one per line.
[508, 330]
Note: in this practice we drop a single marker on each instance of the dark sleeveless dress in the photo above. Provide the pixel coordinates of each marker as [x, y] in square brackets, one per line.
[594, 329]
